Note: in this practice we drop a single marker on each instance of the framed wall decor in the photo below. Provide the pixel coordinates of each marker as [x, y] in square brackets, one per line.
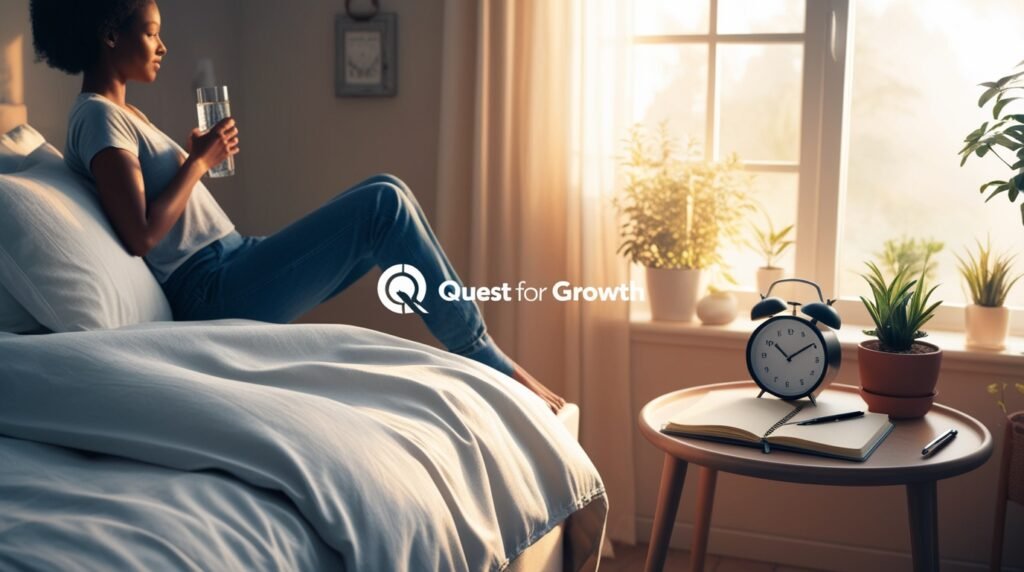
[366, 56]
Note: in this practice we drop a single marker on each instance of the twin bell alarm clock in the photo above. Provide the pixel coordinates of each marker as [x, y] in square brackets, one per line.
[794, 355]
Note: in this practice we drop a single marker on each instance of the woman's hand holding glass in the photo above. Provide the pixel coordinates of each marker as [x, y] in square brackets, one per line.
[213, 147]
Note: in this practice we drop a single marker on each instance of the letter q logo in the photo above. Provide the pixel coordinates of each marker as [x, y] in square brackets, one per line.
[401, 288]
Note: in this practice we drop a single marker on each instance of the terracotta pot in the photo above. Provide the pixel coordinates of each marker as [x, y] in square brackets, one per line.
[717, 309]
[898, 407]
[673, 293]
[987, 327]
[900, 385]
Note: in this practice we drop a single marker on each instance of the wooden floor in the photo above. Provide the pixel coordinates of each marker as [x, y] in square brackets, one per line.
[631, 559]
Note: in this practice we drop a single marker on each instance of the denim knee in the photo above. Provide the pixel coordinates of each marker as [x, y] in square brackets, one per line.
[389, 206]
[389, 178]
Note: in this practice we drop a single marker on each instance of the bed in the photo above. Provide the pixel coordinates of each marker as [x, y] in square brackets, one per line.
[131, 442]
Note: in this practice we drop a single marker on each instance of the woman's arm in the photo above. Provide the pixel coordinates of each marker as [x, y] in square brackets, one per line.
[122, 191]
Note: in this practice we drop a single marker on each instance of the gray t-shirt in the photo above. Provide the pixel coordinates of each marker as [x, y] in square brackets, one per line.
[97, 123]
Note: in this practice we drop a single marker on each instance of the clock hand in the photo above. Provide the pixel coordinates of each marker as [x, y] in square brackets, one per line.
[782, 351]
[790, 358]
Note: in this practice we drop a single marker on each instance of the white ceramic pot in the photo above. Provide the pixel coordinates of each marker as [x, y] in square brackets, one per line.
[765, 277]
[987, 327]
[717, 309]
[673, 293]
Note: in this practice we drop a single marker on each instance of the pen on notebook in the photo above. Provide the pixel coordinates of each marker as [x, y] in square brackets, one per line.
[830, 418]
[938, 442]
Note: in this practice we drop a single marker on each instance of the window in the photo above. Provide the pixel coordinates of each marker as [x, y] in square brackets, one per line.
[916, 70]
[711, 69]
[854, 139]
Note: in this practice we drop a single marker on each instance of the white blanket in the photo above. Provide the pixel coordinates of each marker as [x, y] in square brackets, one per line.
[400, 456]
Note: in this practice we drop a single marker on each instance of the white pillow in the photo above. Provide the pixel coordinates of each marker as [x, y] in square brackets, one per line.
[60, 258]
[15, 146]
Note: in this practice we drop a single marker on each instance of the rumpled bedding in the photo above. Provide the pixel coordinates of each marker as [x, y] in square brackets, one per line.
[238, 445]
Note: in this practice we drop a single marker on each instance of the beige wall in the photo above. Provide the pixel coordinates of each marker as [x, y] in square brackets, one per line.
[300, 144]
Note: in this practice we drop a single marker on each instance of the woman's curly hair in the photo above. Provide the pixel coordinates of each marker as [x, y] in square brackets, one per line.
[67, 34]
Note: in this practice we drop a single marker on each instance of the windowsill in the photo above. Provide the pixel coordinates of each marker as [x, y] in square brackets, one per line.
[643, 329]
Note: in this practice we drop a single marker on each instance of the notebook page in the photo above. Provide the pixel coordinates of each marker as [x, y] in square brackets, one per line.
[851, 435]
[729, 410]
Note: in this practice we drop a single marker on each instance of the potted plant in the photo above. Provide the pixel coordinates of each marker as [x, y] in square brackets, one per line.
[677, 215]
[1006, 130]
[770, 244]
[898, 373]
[988, 279]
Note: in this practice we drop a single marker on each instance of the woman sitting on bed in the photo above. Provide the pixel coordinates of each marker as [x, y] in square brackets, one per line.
[150, 189]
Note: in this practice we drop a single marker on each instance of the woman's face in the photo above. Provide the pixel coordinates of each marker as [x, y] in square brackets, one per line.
[138, 49]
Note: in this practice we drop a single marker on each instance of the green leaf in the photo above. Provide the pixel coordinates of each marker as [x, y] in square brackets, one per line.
[1000, 189]
[998, 108]
[973, 135]
[989, 184]
[989, 94]
[1007, 79]
[1005, 141]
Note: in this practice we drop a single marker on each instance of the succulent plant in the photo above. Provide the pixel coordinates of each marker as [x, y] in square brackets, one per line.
[899, 308]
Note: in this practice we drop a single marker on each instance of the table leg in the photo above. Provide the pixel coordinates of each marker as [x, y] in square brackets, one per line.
[673, 473]
[705, 501]
[922, 502]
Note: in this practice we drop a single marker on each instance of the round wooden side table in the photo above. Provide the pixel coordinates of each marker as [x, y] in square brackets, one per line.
[897, 461]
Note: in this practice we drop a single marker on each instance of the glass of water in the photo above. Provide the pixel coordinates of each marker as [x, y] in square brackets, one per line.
[212, 105]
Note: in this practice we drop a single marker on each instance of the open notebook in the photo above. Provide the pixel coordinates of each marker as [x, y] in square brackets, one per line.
[738, 416]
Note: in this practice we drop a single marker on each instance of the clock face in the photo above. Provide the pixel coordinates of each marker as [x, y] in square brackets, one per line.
[787, 356]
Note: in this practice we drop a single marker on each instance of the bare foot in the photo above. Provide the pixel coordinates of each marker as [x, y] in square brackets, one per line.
[551, 398]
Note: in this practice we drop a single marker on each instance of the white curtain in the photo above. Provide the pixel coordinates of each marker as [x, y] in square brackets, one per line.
[532, 117]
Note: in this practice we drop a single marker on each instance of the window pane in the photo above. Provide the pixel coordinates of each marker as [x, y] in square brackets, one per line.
[776, 193]
[759, 88]
[671, 84]
[760, 16]
[917, 66]
[659, 17]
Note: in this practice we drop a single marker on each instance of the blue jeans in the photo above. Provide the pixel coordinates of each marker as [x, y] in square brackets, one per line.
[280, 277]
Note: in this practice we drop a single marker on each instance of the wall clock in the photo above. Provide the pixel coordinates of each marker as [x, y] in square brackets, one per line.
[793, 356]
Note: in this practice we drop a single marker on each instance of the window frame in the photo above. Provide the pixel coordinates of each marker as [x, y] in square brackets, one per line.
[822, 165]
[811, 207]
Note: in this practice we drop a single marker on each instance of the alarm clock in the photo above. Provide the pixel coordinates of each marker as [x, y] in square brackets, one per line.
[793, 356]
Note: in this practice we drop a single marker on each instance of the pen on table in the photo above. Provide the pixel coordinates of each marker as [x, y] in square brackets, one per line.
[830, 418]
[938, 442]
